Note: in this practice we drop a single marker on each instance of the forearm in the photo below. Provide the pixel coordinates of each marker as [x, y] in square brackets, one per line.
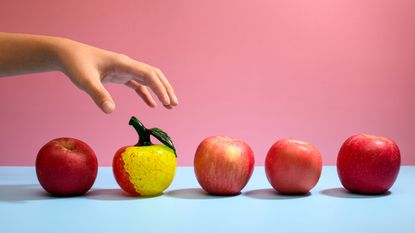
[23, 53]
[87, 67]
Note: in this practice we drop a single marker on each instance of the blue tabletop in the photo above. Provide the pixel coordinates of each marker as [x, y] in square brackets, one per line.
[184, 207]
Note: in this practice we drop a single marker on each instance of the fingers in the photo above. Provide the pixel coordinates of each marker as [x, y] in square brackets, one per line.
[169, 88]
[151, 77]
[100, 95]
[143, 92]
[153, 81]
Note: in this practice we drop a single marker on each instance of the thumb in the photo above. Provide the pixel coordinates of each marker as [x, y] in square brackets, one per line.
[101, 96]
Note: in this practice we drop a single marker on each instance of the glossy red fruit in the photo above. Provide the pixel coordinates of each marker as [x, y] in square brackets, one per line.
[368, 164]
[66, 167]
[293, 166]
[223, 165]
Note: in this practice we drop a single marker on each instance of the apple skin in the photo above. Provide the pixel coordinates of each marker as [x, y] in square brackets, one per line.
[293, 167]
[223, 165]
[368, 164]
[144, 170]
[66, 167]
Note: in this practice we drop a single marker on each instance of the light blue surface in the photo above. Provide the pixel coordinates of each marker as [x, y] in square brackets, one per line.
[25, 207]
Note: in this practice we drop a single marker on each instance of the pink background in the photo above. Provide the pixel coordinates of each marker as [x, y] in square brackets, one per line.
[260, 70]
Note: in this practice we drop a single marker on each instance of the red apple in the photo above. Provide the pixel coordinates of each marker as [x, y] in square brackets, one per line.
[66, 167]
[293, 166]
[223, 165]
[368, 164]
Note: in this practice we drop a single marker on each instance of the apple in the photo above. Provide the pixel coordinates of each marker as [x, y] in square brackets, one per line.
[293, 166]
[223, 165]
[368, 164]
[145, 169]
[66, 167]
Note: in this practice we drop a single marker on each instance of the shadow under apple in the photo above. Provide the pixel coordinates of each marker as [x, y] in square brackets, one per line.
[193, 193]
[271, 194]
[113, 195]
[23, 193]
[343, 193]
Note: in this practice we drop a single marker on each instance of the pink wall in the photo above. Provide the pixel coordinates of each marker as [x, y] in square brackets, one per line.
[257, 70]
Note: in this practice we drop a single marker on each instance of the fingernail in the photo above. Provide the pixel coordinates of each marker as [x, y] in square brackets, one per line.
[108, 106]
[166, 100]
[175, 100]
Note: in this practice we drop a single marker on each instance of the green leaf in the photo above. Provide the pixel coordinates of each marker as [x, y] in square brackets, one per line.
[163, 137]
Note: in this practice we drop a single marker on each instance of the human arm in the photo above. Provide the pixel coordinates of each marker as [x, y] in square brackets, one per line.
[88, 67]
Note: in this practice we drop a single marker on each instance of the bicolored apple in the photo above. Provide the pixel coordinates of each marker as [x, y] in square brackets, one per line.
[145, 169]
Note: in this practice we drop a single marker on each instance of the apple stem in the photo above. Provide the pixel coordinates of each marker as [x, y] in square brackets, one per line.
[142, 131]
[144, 135]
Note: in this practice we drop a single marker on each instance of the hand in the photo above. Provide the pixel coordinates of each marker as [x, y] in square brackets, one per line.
[88, 67]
